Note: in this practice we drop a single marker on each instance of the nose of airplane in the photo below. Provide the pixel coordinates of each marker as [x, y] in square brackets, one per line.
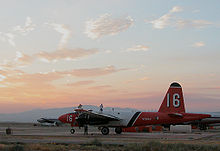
[62, 118]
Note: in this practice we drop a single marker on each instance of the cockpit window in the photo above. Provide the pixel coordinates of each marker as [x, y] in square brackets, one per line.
[72, 112]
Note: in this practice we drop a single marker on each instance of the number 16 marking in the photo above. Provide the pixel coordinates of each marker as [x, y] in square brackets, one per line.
[176, 101]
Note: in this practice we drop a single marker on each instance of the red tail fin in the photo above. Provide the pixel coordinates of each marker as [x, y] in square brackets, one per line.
[173, 101]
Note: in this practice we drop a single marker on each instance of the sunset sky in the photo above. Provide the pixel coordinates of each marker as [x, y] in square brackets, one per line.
[122, 53]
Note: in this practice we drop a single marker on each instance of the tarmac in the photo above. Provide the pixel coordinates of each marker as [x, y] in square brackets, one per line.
[28, 133]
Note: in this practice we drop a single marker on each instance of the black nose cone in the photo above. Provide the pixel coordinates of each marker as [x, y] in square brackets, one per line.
[175, 84]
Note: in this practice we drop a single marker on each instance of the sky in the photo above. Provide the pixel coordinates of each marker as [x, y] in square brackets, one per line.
[121, 53]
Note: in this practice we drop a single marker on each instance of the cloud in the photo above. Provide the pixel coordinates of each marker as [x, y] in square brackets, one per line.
[2, 77]
[199, 44]
[103, 89]
[183, 23]
[36, 77]
[28, 27]
[23, 59]
[166, 19]
[107, 25]
[18, 86]
[7, 64]
[144, 78]
[41, 90]
[93, 72]
[138, 48]
[136, 80]
[176, 9]
[9, 37]
[161, 22]
[171, 20]
[65, 54]
[15, 79]
[64, 31]
[18, 76]
[108, 51]
[20, 60]
[24, 87]
[80, 83]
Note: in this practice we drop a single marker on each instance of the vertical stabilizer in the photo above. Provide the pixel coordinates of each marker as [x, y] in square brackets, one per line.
[173, 102]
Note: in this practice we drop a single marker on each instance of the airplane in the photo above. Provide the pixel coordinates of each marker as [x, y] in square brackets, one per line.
[203, 124]
[171, 111]
[49, 122]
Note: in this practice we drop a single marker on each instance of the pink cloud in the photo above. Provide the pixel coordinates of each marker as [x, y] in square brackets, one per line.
[93, 72]
[66, 54]
[81, 83]
[23, 59]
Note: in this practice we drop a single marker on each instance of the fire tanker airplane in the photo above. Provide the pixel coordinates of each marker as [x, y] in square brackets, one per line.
[171, 112]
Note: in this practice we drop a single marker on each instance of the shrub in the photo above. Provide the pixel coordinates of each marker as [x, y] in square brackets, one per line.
[96, 142]
[17, 148]
[158, 146]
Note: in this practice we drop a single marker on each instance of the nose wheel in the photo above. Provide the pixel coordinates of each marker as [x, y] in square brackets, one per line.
[72, 131]
[105, 130]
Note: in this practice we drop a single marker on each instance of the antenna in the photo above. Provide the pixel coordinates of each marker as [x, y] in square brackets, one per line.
[80, 106]
[101, 107]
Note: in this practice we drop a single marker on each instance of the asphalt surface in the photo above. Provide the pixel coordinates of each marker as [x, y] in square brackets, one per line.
[27, 133]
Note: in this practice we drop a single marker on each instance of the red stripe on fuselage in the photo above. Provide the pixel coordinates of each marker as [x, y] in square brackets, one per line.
[153, 118]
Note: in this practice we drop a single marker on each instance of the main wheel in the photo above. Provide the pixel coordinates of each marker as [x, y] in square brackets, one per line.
[105, 130]
[118, 130]
[203, 127]
[72, 131]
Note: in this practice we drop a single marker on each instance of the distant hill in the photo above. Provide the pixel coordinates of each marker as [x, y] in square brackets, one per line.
[33, 115]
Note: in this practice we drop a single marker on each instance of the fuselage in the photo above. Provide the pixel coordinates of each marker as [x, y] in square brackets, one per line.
[154, 118]
[129, 119]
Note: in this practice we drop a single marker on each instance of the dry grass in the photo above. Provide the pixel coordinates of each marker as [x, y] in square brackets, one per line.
[158, 146]
[97, 145]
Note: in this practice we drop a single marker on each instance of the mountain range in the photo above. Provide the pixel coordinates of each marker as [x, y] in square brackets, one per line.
[33, 115]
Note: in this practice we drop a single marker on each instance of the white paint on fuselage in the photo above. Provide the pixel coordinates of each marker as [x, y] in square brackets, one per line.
[124, 116]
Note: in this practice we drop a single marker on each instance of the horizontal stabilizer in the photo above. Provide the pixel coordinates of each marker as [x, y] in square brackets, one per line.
[175, 115]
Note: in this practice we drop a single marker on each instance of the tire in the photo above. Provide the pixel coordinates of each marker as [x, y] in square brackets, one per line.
[118, 130]
[105, 131]
[72, 131]
[203, 127]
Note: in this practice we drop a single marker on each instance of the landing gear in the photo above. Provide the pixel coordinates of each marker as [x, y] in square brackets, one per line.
[203, 127]
[105, 130]
[72, 131]
[118, 130]
[85, 129]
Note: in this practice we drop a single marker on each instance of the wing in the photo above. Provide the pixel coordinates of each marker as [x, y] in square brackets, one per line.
[175, 115]
[95, 118]
[42, 120]
[102, 116]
